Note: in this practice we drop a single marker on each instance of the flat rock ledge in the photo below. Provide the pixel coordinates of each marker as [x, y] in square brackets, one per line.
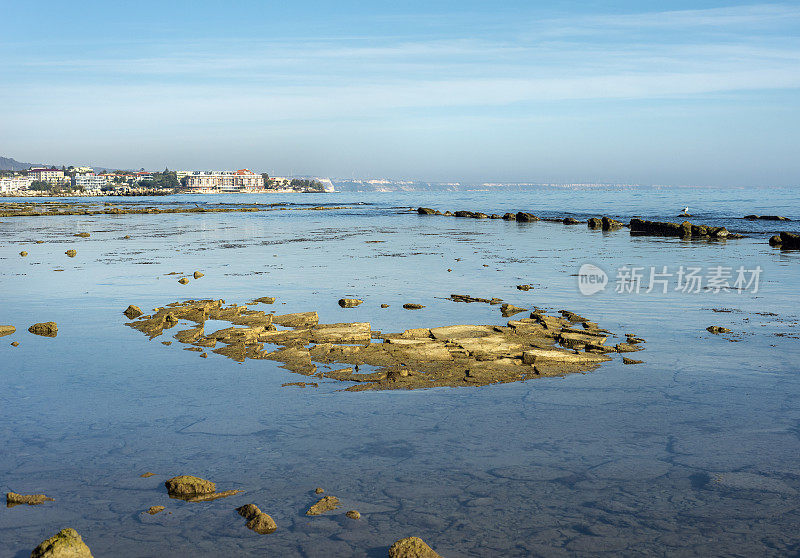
[195, 489]
[412, 547]
[325, 504]
[449, 356]
[67, 543]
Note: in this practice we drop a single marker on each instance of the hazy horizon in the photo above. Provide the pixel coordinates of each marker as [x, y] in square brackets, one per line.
[701, 94]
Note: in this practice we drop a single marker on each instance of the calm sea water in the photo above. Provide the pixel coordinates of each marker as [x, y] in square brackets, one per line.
[694, 452]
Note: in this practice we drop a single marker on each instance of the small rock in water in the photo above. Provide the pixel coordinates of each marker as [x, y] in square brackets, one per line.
[716, 330]
[412, 547]
[595, 223]
[15, 344]
[524, 287]
[147, 475]
[7, 330]
[412, 306]
[82, 234]
[183, 280]
[384, 306]
[126, 237]
[626, 360]
[349, 302]
[187, 485]
[319, 490]
[71, 253]
[23, 253]
[14, 499]
[265, 300]
[45, 329]
[152, 510]
[258, 521]
[327, 503]
[353, 514]
[133, 312]
[509, 310]
[571, 221]
[197, 275]
[67, 543]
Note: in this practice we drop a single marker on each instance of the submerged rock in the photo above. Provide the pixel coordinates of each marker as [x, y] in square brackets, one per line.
[350, 302]
[71, 253]
[766, 218]
[14, 499]
[716, 330]
[7, 330]
[626, 360]
[412, 547]
[45, 329]
[258, 521]
[67, 543]
[524, 287]
[133, 312]
[152, 510]
[326, 503]
[147, 475]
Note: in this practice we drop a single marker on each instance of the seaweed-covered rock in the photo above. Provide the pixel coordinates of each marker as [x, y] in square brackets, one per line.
[526, 217]
[67, 543]
[571, 221]
[766, 218]
[788, 241]
[257, 520]
[412, 547]
[426, 211]
[716, 330]
[353, 514]
[608, 224]
[350, 302]
[14, 499]
[187, 485]
[45, 329]
[510, 216]
[133, 312]
[326, 503]
[595, 223]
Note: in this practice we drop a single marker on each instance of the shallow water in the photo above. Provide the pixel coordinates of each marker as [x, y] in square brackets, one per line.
[695, 451]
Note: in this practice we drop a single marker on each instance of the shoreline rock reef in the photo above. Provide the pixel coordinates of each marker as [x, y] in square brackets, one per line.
[458, 355]
[685, 229]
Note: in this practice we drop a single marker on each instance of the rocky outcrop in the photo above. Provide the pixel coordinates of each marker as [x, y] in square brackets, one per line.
[608, 224]
[426, 211]
[326, 503]
[350, 302]
[133, 312]
[509, 310]
[67, 543]
[786, 241]
[412, 547]
[595, 223]
[526, 217]
[45, 329]
[509, 216]
[766, 218]
[681, 230]
[7, 330]
[571, 221]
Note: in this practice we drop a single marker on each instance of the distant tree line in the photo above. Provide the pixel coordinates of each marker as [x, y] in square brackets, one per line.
[167, 180]
[306, 184]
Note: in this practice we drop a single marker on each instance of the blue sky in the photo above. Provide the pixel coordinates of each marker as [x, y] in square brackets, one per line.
[704, 93]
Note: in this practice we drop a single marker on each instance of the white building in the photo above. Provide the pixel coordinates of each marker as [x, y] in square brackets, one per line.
[15, 183]
[225, 181]
[89, 181]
